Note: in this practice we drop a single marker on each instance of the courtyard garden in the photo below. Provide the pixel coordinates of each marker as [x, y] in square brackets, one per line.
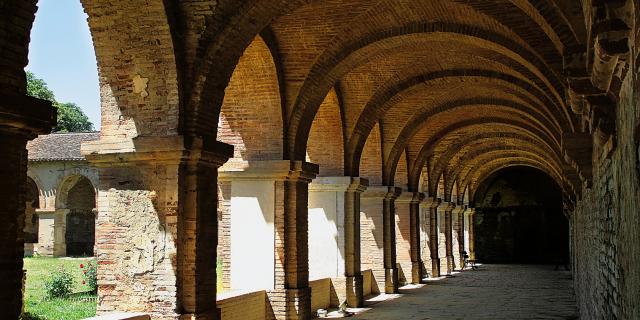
[59, 288]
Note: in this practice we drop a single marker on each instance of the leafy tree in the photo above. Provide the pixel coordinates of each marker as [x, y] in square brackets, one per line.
[70, 116]
[37, 88]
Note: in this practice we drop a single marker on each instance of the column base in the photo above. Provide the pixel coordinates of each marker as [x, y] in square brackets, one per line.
[450, 264]
[435, 267]
[291, 304]
[355, 295]
[391, 280]
[416, 272]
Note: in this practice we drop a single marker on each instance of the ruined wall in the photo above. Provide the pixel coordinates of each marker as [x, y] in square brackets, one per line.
[606, 223]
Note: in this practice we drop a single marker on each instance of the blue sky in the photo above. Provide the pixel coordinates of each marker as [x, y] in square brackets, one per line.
[61, 53]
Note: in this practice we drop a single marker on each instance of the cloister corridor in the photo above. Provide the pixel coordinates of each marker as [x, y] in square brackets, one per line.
[492, 292]
[308, 154]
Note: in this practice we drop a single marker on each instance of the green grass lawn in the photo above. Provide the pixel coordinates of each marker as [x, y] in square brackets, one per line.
[38, 306]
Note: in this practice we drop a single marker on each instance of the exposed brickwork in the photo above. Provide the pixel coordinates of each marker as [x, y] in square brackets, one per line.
[251, 114]
[326, 144]
[251, 306]
[464, 88]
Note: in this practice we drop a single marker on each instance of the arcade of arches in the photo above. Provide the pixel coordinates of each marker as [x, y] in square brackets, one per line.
[347, 140]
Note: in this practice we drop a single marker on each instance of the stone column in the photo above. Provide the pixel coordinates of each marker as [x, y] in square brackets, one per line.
[378, 207]
[472, 253]
[276, 191]
[291, 298]
[21, 119]
[431, 206]
[412, 201]
[448, 233]
[337, 199]
[460, 229]
[441, 223]
[60, 232]
[458, 235]
[389, 235]
[156, 230]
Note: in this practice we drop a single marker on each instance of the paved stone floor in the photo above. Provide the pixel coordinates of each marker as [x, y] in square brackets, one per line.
[492, 292]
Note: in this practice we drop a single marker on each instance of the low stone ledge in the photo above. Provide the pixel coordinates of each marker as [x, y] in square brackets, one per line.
[122, 316]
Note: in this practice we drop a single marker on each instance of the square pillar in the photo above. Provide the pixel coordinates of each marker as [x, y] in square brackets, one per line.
[21, 119]
[448, 235]
[278, 190]
[471, 242]
[378, 208]
[430, 229]
[156, 230]
[457, 222]
[60, 232]
[408, 215]
[334, 206]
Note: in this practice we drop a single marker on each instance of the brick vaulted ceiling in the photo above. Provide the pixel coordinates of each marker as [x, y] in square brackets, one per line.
[464, 87]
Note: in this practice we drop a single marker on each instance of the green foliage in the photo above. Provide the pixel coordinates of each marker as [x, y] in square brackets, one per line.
[70, 116]
[37, 88]
[80, 304]
[90, 274]
[59, 284]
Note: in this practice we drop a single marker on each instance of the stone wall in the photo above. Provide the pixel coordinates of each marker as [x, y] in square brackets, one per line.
[606, 223]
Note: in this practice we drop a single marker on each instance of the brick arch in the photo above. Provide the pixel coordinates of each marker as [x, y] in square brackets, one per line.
[326, 143]
[437, 187]
[401, 175]
[445, 159]
[426, 149]
[371, 160]
[66, 184]
[460, 173]
[215, 53]
[472, 176]
[506, 163]
[251, 113]
[425, 122]
[138, 78]
[466, 137]
[332, 65]
[382, 100]
[461, 136]
[475, 155]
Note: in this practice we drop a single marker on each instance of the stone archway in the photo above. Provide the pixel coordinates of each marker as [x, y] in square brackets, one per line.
[74, 224]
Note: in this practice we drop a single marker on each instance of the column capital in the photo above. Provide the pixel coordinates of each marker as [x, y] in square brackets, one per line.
[277, 170]
[339, 184]
[430, 202]
[26, 116]
[459, 209]
[446, 206]
[411, 197]
[169, 150]
[382, 192]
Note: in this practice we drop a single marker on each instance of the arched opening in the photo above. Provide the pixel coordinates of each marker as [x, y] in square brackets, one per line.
[519, 218]
[250, 120]
[75, 209]
[80, 235]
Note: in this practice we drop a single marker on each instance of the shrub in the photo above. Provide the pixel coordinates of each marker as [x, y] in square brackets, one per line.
[90, 274]
[59, 284]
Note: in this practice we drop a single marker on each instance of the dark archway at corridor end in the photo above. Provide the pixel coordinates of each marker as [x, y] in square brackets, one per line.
[519, 218]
